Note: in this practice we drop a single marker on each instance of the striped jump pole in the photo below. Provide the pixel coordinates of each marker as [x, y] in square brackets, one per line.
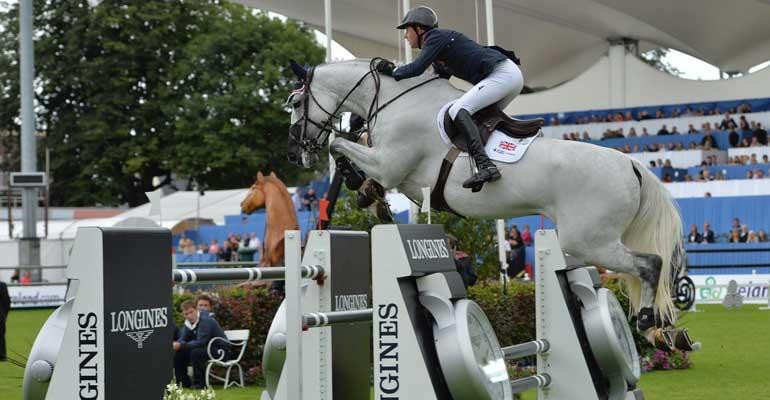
[319, 319]
[526, 349]
[185, 276]
[530, 382]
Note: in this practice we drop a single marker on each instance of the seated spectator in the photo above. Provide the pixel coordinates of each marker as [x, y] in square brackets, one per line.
[744, 233]
[674, 131]
[632, 132]
[760, 134]
[663, 131]
[693, 146]
[691, 129]
[191, 347]
[753, 159]
[765, 159]
[667, 163]
[708, 142]
[688, 178]
[759, 174]
[214, 247]
[754, 142]
[745, 143]
[26, 278]
[749, 174]
[586, 136]
[708, 234]
[752, 238]
[644, 132]
[761, 236]
[202, 249]
[735, 236]
[254, 242]
[205, 304]
[694, 236]
[743, 124]
[734, 138]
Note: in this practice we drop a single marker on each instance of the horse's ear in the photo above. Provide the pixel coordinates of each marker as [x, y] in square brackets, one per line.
[273, 174]
[299, 70]
[260, 177]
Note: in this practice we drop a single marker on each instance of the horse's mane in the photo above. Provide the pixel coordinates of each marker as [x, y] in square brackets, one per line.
[282, 190]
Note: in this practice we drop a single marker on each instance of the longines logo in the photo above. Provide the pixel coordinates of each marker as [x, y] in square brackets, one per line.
[139, 324]
[351, 302]
[427, 248]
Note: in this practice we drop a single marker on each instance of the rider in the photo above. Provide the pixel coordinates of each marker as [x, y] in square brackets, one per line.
[493, 72]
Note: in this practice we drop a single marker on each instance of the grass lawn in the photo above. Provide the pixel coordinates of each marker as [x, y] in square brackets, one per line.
[733, 363]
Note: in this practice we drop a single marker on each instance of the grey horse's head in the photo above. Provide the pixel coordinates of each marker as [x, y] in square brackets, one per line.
[313, 115]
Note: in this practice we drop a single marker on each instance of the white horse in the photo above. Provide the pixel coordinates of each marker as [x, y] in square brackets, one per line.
[609, 209]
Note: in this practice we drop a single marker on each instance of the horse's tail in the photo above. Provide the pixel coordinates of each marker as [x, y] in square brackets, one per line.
[656, 229]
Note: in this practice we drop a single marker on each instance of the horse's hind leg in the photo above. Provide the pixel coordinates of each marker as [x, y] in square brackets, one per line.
[617, 257]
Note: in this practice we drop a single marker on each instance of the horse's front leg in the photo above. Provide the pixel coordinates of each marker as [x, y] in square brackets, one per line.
[369, 161]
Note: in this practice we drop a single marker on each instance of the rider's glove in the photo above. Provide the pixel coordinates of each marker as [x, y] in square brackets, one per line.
[385, 67]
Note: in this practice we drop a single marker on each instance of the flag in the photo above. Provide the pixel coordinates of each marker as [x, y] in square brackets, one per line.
[154, 197]
[425, 199]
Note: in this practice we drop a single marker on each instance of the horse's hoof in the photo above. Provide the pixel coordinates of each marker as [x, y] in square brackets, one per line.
[682, 341]
[645, 320]
[661, 339]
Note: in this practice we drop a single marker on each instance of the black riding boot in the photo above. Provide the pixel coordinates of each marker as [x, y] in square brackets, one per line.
[487, 171]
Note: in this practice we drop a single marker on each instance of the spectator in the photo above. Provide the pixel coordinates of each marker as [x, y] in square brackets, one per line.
[214, 247]
[632, 132]
[765, 159]
[254, 242]
[202, 249]
[744, 233]
[752, 238]
[694, 236]
[760, 134]
[691, 129]
[586, 137]
[735, 236]
[463, 262]
[644, 132]
[204, 304]
[759, 174]
[734, 138]
[516, 261]
[526, 235]
[674, 131]
[761, 236]
[296, 198]
[708, 234]
[727, 123]
[5, 308]
[745, 143]
[743, 123]
[708, 142]
[191, 348]
[663, 131]
[26, 278]
[309, 200]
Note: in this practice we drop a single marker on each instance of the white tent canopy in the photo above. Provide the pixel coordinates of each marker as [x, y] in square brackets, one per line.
[556, 39]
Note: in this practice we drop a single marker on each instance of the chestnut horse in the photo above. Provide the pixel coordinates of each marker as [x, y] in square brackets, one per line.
[270, 193]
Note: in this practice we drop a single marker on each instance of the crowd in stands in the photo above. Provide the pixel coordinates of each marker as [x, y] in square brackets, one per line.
[739, 233]
[658, 112]
[743, 133]
[227, 251]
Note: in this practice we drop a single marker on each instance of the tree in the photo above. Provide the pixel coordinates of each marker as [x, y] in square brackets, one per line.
[131, 91]
[655, 58]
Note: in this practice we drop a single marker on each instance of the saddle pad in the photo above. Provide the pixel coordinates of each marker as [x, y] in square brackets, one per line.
[500, 147]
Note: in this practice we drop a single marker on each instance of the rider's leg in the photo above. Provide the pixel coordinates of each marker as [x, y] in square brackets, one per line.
[500, 86]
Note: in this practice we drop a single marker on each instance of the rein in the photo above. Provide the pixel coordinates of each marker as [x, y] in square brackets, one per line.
[327, 126]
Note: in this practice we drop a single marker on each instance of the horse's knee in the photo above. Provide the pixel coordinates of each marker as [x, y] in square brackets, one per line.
[649, 266]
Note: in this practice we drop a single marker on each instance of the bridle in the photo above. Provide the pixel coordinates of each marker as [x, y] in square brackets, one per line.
[298, 137]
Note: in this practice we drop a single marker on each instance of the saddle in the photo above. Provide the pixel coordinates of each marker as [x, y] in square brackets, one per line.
[490, 119]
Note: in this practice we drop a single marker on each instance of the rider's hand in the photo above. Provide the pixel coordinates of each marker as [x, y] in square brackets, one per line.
[385, 67]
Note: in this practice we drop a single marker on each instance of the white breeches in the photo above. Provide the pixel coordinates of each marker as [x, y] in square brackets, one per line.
[501, 87]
